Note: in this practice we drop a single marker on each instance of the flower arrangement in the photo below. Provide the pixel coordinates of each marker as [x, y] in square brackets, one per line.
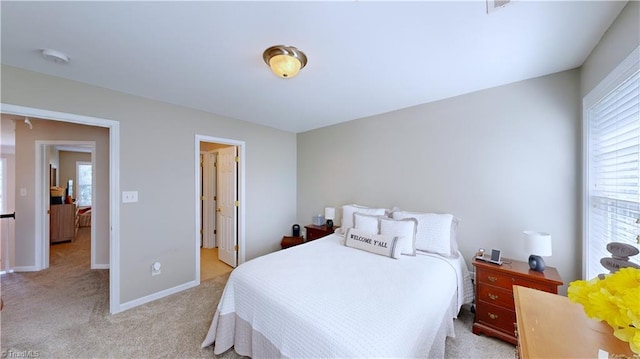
[614, 299]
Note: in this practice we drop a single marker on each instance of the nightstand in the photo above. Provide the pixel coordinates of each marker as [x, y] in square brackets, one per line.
[315, 232]
[291, 241]
[495, 309]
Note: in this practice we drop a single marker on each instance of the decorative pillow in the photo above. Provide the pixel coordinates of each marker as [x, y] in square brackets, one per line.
[350, 209]
[375, 243]
[403, 228]
[436, 233]
[366, 222]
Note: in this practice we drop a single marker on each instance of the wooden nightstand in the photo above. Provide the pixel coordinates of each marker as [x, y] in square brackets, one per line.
[291, 241]
[495, 309]
[315, 232]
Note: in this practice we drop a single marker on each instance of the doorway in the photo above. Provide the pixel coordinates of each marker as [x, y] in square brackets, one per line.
[41, 189]
[58, 161]
[220, 213]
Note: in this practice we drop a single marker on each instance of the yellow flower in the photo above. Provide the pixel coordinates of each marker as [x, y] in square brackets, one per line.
[605, 306]
[630, 335]
[631, 302]
[615, 299]
[579, 290]
[624, 279]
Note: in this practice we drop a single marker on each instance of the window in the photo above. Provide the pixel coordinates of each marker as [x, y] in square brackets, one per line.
[612, 159]
[83, 186]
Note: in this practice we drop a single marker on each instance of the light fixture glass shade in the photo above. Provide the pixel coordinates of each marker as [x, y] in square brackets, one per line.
[284, 66]
[284, 61]
[538, 243]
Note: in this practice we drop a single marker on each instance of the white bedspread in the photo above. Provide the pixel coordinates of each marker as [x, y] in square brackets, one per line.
[322, 299]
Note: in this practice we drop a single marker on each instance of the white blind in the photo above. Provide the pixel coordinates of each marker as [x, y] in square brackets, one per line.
[83, 170]
[614, 172]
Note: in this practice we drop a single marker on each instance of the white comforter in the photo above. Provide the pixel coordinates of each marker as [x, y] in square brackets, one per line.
[322, 299]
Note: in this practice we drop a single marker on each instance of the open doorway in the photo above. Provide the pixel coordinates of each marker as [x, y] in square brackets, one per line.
[220, 214]
[33, 250]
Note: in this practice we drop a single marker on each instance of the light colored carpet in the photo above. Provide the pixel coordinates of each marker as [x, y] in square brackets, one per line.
[63, 312]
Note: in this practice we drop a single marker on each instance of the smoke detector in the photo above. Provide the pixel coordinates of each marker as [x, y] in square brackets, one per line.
[55, 56]
[493, 5]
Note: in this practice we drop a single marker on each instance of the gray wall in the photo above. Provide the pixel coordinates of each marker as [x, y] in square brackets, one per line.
[503, 160]
[622, 37]
[157, 145]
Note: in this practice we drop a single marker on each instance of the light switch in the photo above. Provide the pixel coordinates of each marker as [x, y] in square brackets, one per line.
[129, 196]
[23, 192]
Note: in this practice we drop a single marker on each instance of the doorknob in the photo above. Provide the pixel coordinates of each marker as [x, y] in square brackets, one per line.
[218, 210]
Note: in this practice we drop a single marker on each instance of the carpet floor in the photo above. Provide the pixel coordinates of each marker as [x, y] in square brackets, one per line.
[63, 312]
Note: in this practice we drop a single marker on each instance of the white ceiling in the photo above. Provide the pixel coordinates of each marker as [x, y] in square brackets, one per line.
[365, 57]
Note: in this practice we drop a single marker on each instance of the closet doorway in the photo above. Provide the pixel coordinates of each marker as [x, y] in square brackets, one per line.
[218, 207]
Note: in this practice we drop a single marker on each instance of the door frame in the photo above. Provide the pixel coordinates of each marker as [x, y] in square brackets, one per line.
[240, 240]
[114, 187]
[42, 210]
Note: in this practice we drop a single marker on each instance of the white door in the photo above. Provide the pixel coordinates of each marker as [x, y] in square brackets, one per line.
[208, 199]
[227, 215]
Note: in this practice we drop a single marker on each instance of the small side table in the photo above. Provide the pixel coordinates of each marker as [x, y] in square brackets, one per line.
[291, 241]
[315, 232]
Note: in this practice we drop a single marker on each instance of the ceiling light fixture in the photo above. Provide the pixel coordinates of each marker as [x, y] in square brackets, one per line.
[284, 61]
[55, 56]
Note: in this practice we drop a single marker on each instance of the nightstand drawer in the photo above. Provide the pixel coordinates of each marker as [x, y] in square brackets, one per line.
[495, 279]
[495, 295]
[496, 317]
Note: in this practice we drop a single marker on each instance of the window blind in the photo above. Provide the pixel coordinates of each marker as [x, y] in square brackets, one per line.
[614, 172]
[84, 172]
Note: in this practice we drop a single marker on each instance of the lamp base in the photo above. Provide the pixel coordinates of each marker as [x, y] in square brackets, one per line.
[329, 223]
[536, 263]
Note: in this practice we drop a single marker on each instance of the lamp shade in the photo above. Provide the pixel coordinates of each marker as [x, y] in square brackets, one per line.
[330, 213]
[538, 243]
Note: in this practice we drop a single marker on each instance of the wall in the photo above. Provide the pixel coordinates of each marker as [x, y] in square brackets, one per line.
[157, 158]
[503, 160]
[25, 174]
[622, 37]
[68, 167]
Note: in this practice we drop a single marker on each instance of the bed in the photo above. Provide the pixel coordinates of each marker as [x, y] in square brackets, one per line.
[324, 299]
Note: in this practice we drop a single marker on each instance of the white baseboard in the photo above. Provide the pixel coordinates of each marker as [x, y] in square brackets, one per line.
[26, 269]
[100, 266]
[155, 296]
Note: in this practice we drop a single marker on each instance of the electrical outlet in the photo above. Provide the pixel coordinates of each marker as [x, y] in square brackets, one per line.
[156, 268]
[129, 196]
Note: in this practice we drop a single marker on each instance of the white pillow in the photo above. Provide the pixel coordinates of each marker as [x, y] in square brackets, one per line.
[350, 209]
[387, 246]
[436, 233]
[403, 228]
[366, 222]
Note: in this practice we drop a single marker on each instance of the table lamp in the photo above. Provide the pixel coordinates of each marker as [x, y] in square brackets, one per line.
[330, 215]
[539, 245]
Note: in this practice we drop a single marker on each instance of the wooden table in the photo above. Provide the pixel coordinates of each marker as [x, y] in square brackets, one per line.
[550, 326]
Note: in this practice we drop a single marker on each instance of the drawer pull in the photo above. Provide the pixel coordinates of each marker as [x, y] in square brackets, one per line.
[492, 279]
[492, 296]
[492, 316]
